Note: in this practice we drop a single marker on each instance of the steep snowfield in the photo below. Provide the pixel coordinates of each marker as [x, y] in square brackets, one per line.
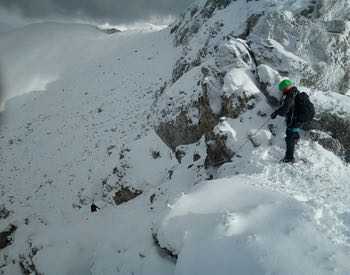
[58, 145]
[78, 127]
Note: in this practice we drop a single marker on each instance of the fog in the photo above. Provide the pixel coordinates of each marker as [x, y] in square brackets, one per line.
[112, 11]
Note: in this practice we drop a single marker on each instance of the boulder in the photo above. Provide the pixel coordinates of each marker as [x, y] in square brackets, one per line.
[258, 138]
[220, 144]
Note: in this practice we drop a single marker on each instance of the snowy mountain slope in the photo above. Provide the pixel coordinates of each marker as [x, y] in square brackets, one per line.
[142, 111]
[61, 148]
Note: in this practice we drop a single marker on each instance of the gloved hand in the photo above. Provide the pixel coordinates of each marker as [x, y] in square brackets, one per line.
[273, 115]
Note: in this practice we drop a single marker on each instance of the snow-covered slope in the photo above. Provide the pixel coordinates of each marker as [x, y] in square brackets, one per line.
[69, 144]
[138, 115]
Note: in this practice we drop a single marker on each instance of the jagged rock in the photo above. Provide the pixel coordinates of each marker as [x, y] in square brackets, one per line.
[110, 30]
[220, 144]
[181, 67]
[155, 154]
[279, 47]
[5, 236]
[276, 47]
[345, 87]
[336, 26]
[190, 22]
[327, 142]
[216, 100]
[180, 154]
[218, 3]
[4, 213]
[196, 157]
[182, 130]
[337, 126]
[234, 53]
[239, 92]
[178, 132]
[251, 23]
[27, 263]
[125, 194]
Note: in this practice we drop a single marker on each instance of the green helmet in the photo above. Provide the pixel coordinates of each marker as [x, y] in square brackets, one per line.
[284, 84]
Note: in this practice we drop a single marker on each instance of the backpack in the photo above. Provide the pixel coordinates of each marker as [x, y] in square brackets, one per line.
[304, 109]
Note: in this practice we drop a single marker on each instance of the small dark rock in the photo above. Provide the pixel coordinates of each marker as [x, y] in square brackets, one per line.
[109, 149]
[5, 236]
[179, 154]
[4, 213]
[94, 207]
[152, 197]
[261, 113]
[125, 194]
[115, 170]
[111, 30]
[196, 157]
[272, 128]
[170, 174]
[155, 154]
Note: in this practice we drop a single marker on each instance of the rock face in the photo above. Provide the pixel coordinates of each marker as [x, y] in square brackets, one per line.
[336, 26]
[215, 93]
[339, 139]
[303, 47]
[327, 141]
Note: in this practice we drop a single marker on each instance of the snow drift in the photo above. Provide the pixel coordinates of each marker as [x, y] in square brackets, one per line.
[228, 227]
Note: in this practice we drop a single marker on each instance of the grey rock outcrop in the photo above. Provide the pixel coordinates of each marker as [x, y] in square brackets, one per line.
[336, 26]
[327, 141]
[338, 127]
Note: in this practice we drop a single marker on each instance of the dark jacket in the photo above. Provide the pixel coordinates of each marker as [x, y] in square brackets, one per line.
[287, 109]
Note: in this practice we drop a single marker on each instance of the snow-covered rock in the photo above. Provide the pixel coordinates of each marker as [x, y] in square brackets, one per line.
[260, 137]
[220, 144]
[269, 80]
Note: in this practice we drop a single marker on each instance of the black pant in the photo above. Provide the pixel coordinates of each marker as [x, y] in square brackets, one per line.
[292, 138]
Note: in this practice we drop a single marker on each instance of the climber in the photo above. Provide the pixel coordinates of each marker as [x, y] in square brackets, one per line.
[298, 109]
